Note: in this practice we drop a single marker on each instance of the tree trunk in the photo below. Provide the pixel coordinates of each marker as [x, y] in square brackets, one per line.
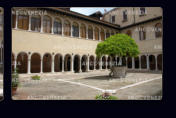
[118, 72]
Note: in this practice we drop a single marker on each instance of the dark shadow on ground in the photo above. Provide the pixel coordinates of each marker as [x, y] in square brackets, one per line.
[106, 77]
[136, 71]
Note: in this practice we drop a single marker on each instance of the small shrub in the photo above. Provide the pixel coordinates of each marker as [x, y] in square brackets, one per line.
[36, 77]
[15, 79]
[102, 97]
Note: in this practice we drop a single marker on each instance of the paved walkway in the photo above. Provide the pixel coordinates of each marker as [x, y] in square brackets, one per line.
[82, 86]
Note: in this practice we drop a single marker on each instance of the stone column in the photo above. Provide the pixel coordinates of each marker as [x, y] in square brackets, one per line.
[139, 62]
[71, 29]
[156, 66]
[148, 68]
[100, 34]
[133, 64]
[87, 32]
[120, 60]
[41, 29]
[63, 64]
[93, 33]
[62, 27]
[29, 29]
[16, 24]
[100, 63]
[52, 64]
[80, 65]
[126, 58]
[95, 63]
[52, 27]
[110, 62]
[41, 65]
[29, 65]
[72, 63]
[79, 30]
[88, 63]
[116, 60]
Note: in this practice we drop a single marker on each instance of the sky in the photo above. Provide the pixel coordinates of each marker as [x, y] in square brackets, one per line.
[89, 10]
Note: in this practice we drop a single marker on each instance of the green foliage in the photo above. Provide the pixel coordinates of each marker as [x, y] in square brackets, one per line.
[100, 97]
[15, 78]
[35, 77]
[118, 45]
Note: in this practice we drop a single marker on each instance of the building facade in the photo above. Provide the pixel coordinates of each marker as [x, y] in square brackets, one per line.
[50, 40]
[1, 39]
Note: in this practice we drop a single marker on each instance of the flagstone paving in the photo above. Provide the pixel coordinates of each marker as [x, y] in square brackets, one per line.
[85, 86]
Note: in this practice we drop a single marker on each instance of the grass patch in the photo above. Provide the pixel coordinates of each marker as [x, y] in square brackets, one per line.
[102, 97]
[35, 77]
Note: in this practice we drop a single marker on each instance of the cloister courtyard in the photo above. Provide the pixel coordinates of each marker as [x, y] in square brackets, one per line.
[85, 86]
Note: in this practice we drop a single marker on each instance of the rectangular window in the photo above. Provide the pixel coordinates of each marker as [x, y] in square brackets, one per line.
[23, 22]
[142, 34]
[35, 24]
[113, 19]
[90, 34]
[125, 15]
[57, 28]
[75, 31]
[142, 11]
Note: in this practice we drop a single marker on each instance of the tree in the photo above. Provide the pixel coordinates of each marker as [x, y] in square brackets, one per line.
[120, 45]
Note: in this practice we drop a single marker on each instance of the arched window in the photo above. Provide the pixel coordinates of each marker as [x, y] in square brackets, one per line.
[13, 21]
[35, 23]
[22, 60]
[96, 33]
[143, 62]
[102, 34]
[35, 63]
[46, 24]
[142, 33]
[90, 32]
[67, 28]
[23, 22]
[107, 34]
[129, 33]
[83, 31]
[75, 30]
[158, 30]
[57, 26]
[47, 58]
